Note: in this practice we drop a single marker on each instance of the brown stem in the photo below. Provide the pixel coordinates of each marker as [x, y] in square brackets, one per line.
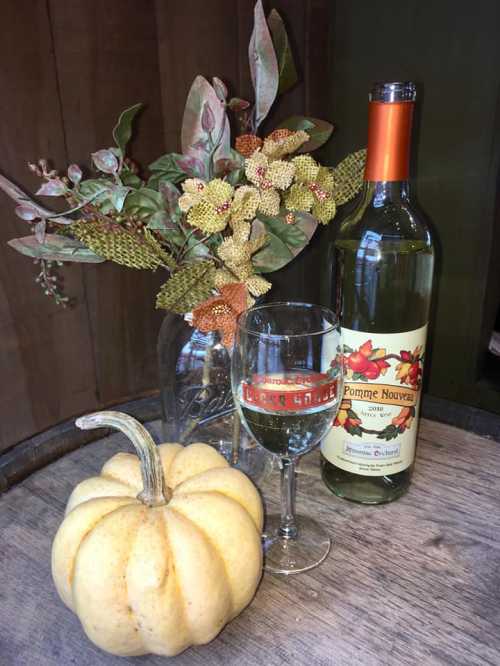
[384, 358]
[367, 431]
[154, 492]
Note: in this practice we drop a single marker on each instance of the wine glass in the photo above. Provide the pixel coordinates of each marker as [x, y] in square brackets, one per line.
[287, 384]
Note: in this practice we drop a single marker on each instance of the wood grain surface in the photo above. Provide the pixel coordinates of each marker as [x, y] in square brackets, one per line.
[413, 582]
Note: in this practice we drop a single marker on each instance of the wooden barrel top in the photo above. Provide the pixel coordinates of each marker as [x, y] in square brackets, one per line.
[413, 582]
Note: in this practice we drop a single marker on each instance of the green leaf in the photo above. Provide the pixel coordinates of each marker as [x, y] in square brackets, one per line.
[55, 248]
[173, 236]
[117, 196]
[94, 186]
[158, 221]
[175, 168]
[143, 202]
[196, 250]
[319, 131]
[263, 65]
[161, 222]
[123, 128]
[286, 65]
[285, 241]
[187, 288]
[130, 179]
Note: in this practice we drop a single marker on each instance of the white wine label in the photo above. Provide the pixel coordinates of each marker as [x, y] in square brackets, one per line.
[375, 430]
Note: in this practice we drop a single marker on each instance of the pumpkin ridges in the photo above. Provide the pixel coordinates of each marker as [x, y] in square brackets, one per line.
[208, 537]
[168, 452]
[125, 468]
[152, 588]
[71, 534]
[96, 487]
[228, 482]
[236, 539]
[99, 586]
[203, 582]
[193, 460]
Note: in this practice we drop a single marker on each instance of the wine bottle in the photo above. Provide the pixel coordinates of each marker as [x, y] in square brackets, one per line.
[380, 268]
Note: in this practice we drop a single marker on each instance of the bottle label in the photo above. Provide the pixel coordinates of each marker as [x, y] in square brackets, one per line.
[375, 430]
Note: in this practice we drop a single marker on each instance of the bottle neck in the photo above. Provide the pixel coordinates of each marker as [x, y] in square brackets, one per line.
[389, 133]
[384, 192]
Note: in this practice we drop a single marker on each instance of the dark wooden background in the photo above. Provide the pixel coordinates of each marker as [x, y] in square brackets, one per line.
[70, 66]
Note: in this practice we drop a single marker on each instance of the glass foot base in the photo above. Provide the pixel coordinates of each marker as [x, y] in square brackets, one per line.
[292, 556]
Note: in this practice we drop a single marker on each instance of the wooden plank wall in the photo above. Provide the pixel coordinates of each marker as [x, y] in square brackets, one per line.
[68, 68]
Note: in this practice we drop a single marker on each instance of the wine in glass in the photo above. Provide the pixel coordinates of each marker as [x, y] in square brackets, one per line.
[287, 385]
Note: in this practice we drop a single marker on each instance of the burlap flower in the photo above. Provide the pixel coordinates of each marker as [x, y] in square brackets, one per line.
[236, 253]
[193, 193]
[220, 313]
[283, 142]
[269, 177]
[247, 144]
[213, 210]
[245, 203]
[312, 189]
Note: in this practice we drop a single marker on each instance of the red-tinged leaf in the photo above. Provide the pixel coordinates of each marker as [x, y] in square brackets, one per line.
[191, 166]
[170, 196]
[201, 144]
[55, 248]
[263, 65]
[318, 130]
[52, 188]
[201, 94]
[220, 89]
[286, 65]
[207, 118]
[236, 104]
[74, 173]
[105, 161]
[26, 213]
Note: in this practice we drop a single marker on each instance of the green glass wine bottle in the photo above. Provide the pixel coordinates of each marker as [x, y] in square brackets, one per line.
[380, 274]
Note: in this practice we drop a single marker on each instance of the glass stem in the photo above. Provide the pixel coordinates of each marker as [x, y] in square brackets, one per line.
[235, 448]
[288, 526]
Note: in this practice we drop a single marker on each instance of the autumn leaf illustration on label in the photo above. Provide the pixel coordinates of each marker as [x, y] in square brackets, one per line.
[375, 428]
[369, 363]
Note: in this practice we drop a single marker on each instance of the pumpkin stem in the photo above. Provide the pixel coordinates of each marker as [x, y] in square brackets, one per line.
[155, 491]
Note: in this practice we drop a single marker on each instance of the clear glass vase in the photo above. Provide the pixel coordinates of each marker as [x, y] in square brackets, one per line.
[196, 398]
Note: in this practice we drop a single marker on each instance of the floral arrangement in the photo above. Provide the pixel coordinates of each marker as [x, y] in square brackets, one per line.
[218, 219]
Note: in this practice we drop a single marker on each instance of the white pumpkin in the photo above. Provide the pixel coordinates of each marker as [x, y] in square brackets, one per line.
[158, 554]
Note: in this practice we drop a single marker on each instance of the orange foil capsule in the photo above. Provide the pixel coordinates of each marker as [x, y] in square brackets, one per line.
[389, 135]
